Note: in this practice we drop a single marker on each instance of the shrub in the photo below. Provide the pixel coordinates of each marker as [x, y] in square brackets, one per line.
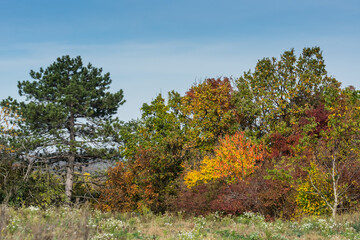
[41, 189]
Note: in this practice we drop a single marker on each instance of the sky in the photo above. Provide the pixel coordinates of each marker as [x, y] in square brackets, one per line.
[155, 46]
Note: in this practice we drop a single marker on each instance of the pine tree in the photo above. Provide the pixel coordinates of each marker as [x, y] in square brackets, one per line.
[64, 108]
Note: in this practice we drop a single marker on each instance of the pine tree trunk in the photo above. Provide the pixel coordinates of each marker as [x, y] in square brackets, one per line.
[69, 177]
[71, 160]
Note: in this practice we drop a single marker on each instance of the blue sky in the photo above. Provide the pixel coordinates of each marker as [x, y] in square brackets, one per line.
[153, 46]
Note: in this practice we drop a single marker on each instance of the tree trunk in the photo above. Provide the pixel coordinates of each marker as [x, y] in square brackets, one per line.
[334, 181]
[69, 177]
[334, 210]
[71, 160]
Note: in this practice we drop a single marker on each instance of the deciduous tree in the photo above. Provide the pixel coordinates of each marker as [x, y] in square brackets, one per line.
[235, 158]
[336, 149]
[279, 92]
[154, 154]
[208, 112]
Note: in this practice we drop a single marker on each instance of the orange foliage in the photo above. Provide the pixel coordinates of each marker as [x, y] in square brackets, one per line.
[128, 187]
[235, 158]
[120, 190]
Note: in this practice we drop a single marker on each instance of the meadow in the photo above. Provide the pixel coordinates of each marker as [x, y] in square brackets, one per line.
[85, 223]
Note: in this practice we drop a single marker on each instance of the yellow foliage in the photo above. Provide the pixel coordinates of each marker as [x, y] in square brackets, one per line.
[235, 158]
[308, 199]
[206, 173]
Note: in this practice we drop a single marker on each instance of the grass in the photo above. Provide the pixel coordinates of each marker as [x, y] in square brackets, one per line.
[83, 223]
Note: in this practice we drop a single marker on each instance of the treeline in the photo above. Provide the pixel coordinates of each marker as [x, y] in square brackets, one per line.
[281, 140]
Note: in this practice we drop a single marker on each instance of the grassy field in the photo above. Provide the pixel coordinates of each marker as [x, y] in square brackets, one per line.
[82, 223]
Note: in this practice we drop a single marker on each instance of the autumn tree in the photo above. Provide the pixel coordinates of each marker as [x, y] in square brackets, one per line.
[154, 152]
[64, 107]
[163, 140]
[121, 192]
[278, 92]
[208, 112]
[236, 157]
[335, 150]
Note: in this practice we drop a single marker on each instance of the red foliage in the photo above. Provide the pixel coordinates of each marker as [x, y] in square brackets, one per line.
[270, 197]
[283, 146]
[351, 176]
[279, 145]
[196, 200]
[320, 115]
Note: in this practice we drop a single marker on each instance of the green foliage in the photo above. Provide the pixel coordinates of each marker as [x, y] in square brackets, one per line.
[86, 187]
[206, 140]
[163, 140]
[127, 136]
[291, 105]
[11, 171]
[335, 150]
[208, 112]
[75, 223]
[41, 189]
[11, 176]
[65, 107]
[281, 90]
[155, 151]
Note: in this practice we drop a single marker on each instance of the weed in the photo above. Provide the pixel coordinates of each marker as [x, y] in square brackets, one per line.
[84, 223]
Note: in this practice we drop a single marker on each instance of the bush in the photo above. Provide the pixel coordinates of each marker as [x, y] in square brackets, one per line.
[11, 177]
[195, 200]
[39, 188]
[270, 197]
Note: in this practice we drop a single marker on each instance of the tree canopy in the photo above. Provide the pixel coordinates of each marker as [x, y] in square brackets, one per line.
[282, 139]
[65, 104]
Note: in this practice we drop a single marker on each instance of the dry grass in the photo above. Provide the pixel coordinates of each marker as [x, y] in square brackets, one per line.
[84, 223]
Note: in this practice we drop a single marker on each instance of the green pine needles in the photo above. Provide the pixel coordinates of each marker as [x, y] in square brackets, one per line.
[67, 105]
